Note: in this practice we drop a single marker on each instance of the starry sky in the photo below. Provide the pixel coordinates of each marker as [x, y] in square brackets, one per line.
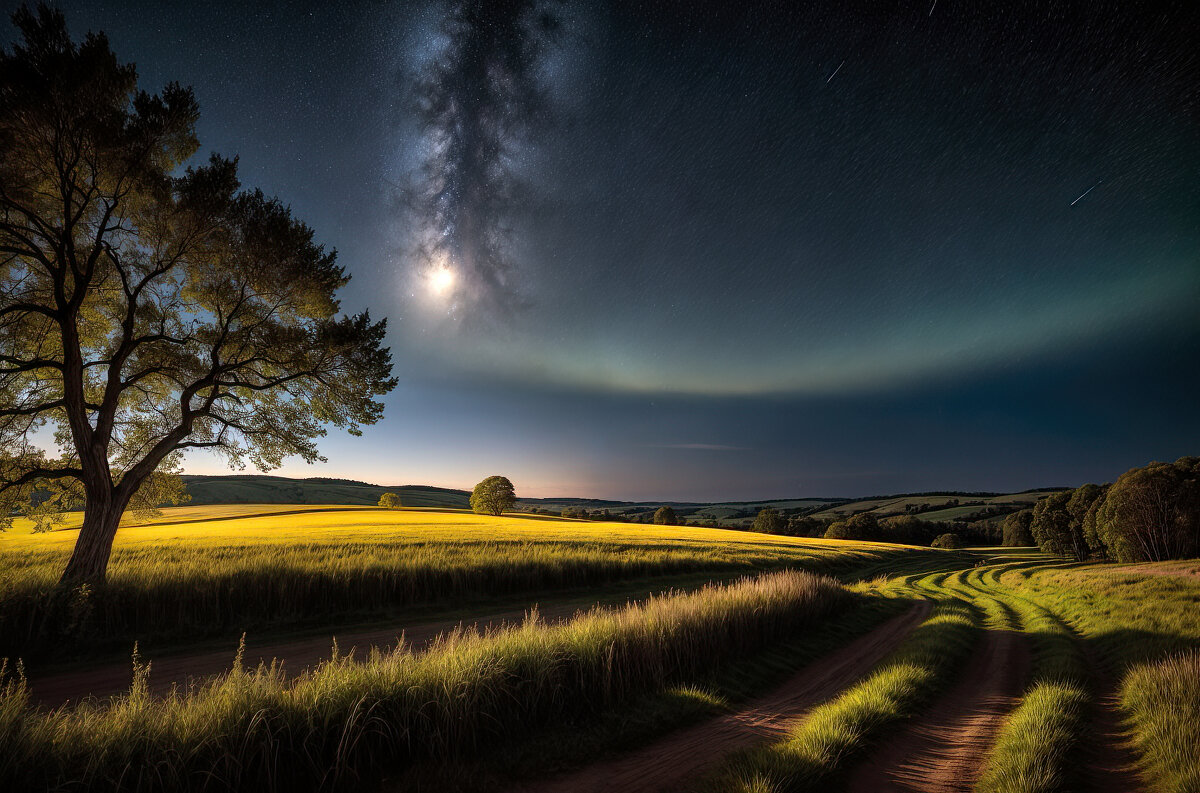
[725, 251]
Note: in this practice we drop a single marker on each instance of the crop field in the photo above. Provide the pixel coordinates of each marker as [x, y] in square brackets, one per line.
[801, 665]
[221, 570]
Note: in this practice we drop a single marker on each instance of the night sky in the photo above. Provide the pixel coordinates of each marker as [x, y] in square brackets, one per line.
[752, 250]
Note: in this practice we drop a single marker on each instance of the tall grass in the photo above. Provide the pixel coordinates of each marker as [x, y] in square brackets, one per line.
[326, 728]
[821, 745]
[1034, 750]
[1163, 700]
[228, 576]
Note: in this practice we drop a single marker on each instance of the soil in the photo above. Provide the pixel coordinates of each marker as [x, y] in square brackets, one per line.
[682, 756]
[944, 752]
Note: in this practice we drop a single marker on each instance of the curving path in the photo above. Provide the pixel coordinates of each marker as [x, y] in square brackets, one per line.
[684, 755]
[944, 751]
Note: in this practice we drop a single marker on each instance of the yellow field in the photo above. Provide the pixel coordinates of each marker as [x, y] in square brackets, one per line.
[218, 571]
[255, 524]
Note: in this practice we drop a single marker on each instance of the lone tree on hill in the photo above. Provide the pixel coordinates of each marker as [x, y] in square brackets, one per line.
[390, 501]
[493, 495]
[665, 516]
[146, 310]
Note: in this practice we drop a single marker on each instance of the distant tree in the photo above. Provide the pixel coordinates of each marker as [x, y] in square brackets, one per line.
[947, 540]
[390, 500]
[769, 521]
[665, 516]
[1091, 529]
[1152, 513]
[1016, 532]
[1051, 524]
[493, 496]
[863, 526]
[149, 307]
[1078, 506]
[806, 526]
[908, 530]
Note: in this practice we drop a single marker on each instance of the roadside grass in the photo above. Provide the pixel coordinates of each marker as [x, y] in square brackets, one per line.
[1033, 751]
[1163, 702]
[635, 724]
[825, 741]
[348, 718]
[226, 576]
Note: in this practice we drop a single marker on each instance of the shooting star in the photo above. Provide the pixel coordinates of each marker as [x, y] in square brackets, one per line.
[932, 7]
[1085, 192]
[835, 71]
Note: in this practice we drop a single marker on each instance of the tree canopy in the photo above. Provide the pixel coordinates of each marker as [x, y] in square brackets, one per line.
[769, 521]
[493, 496]
[390, 501]
[665, 516]
[147, 308]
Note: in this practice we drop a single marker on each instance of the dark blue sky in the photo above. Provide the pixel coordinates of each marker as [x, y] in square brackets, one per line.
[748, 251]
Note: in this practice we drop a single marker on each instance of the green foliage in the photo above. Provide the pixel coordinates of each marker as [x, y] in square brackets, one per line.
[863, 526]
[1163, 700]
[1051, 525]
[1151, 513]
[493, 496]
[150, 306]
[948, 540]
[1016, 529]
[390, 501]
[806, 526]
[769, 521]
[665, 516]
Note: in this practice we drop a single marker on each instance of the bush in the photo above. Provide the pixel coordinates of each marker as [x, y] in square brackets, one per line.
[863, 526]
[665, 516]
[947, 540]
[769, 521]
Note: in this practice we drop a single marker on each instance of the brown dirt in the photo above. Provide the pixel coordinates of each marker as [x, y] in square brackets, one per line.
[59, 688]
[1108, 763]
[944, 751]
[683, 755]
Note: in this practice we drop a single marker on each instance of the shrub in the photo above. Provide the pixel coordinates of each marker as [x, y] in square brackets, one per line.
[769, 521]
[947, 540]
[665, 516]
[863, 526]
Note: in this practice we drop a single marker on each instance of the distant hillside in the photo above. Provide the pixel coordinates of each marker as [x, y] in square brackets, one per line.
[261, 489]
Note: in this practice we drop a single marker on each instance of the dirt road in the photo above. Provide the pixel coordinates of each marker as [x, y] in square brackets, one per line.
[944, 749]
[683, 755]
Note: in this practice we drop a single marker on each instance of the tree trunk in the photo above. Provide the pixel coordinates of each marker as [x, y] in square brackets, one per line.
[89, 560]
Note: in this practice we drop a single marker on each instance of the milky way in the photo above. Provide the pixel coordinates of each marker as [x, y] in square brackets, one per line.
[478, 99]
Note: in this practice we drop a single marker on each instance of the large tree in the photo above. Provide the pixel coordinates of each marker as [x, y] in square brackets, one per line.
[147, 308]
[493, 495]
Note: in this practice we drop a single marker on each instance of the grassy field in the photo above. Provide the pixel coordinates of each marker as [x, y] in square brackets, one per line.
[1098, 635]
[220, 571]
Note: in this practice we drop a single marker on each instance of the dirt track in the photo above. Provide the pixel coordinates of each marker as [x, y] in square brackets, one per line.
[177, 669]
[683, 755]
[945, 750]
